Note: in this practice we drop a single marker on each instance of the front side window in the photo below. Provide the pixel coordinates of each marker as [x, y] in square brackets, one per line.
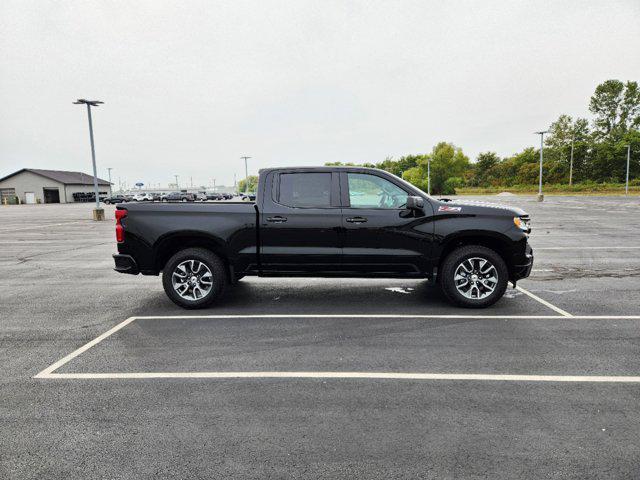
[308, 190]
[371, 191]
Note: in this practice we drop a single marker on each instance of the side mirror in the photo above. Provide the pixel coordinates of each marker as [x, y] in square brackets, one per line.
[415, 203]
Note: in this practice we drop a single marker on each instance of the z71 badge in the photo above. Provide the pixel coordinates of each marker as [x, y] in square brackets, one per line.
[445, 208]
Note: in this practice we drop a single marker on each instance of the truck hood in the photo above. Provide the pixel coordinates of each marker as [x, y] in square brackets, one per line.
[477, 207]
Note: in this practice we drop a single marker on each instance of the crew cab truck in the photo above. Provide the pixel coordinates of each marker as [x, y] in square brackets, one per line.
[326, 222]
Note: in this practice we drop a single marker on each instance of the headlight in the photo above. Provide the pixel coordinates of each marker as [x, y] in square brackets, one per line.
[522, 223]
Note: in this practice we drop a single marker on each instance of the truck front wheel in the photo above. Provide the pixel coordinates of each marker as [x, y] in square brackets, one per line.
[474, 276]
[194, 278]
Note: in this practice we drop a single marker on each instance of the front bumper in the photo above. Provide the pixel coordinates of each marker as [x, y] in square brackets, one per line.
[523, 269]
[125, 264]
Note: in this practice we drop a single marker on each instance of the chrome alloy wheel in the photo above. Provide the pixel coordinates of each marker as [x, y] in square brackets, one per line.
[192, 280]
[476, 278]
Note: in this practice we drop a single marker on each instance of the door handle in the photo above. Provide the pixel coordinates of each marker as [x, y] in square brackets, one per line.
[356, 220]
[277, 219]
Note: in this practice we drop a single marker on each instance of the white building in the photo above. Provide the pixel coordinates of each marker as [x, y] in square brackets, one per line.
[32, 185]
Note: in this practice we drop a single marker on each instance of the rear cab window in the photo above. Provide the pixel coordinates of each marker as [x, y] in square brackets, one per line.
[305, 189]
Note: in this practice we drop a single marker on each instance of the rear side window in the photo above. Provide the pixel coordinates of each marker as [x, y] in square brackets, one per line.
[305, 190]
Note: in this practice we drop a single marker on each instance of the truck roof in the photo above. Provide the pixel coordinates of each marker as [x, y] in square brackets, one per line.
[322, 168]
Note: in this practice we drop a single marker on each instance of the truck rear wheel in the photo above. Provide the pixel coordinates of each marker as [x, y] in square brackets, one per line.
[194, 278]
[474, 276]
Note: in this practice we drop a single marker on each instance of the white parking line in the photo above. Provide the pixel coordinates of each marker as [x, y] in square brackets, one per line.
[37, 227]
[83, 348]
[587, 248]
[48, 373]
[352, 375]
[544, 302]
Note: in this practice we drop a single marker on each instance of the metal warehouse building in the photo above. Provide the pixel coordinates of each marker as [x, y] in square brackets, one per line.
[32, 185]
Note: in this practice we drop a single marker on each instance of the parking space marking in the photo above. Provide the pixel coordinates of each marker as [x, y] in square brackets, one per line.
[48, 373]
[45, 225]
[544, 302]
[353, 375]
[84, 348]
[588, 248]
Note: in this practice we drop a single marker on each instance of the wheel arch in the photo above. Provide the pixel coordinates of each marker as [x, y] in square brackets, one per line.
[497, 242]
[170, 244]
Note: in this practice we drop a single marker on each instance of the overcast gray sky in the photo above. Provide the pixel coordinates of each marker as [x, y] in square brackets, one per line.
[191, 86]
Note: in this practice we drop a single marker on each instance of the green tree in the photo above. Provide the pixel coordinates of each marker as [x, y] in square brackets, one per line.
[616, 107]
[398, 167]
[447, 161]
[416, 176]
[565, 129]
[483, 173]
[253, 184]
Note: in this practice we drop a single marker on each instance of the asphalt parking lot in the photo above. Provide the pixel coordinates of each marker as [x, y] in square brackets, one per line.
[321, 378]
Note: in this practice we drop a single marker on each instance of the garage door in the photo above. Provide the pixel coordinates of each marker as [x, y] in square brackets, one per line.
[51, 195]
[7, 194]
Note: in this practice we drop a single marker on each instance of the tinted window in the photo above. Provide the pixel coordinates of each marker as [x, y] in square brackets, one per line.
[370, 191]
[305, 189]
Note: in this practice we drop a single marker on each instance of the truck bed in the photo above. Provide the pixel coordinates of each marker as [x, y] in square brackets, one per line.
[150, 228]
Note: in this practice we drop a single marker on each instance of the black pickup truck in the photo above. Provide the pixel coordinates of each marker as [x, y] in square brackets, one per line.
[326, 222]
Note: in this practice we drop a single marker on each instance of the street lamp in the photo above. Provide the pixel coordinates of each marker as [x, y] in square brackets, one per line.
[109, 170]
[98, 213]
[571, 162]
[626, 187]
[429, 175]
[177, 186]
[246, 175]
[541, 133]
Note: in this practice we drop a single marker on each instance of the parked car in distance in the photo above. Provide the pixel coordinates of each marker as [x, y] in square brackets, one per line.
[215, 196]
[179, 197]
[248, 197]
[115, 199]
[201, 196]
[327, 222]
[143, 197]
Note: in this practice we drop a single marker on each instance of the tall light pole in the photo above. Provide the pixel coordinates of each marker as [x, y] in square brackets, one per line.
[541, 133]
[429, 175]
[98, 213]
[177, 186]
[109, 170]
[571, 163]
[626, 187]
[246, 175]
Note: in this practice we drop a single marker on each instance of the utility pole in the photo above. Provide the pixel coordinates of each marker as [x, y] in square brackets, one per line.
[541, 133]
[246, 175]
[626, 187]
[429, 175]
[177, 186]
[571, 163]
[109, 169]
[235, 183]
[98, 213]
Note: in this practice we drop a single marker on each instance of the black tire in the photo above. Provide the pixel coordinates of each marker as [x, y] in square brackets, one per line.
[211, 261]
[455, 259]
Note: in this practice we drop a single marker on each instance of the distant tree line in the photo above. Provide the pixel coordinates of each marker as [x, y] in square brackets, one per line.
[599, 151]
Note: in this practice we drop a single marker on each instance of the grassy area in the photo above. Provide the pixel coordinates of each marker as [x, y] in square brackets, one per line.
[556, 189]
